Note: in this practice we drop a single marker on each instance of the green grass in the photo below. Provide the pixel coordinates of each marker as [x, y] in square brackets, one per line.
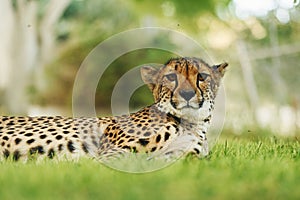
[266, 168]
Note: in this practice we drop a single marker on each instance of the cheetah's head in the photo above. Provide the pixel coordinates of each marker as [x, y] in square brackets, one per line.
[185, 87]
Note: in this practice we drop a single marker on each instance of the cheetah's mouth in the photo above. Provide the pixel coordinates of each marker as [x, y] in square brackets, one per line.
[189, 105]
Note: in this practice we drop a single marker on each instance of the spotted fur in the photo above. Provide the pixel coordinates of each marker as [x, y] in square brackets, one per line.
[184, 90]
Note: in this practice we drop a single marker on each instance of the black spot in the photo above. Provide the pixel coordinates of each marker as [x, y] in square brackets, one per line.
[84, 147]
[48, 141]
[67, 127]
[5, 138]
[134, 150]
[167, 135]
[60, 147]
[17, 141]
[70, 146]
[206, 120]
[130, 131]
[95, 143]
[51, 129]
[10, 132]
[153, 149]
[30, 141]
[10, 123]
[126, 147]
[51, 153]
[28, 134]
[143, 141]
[147, 134]
[196, 150]
[105, 141]
[16, 155]
[43, 136]
[121, 141]
[177, 119]
[66, 132]
[131, 139]
[158, 137]
[75, 136]
[3, 143]
[6, 153]
[37, 149]
[58, 137]
[4, 119]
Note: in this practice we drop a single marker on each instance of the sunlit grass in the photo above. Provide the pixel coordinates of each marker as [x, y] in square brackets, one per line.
[237, 169]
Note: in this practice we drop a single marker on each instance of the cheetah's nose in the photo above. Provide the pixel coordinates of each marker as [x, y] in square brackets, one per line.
[187, 94]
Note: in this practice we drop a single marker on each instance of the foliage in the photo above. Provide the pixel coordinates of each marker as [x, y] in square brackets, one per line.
[271, 49]
[237, 169]
[62, 73]
[94, 21]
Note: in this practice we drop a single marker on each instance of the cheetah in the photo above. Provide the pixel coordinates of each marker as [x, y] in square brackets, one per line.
[184, 91]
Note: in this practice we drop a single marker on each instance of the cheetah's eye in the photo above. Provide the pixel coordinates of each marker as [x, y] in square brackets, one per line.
[171, 77]
[202, 76]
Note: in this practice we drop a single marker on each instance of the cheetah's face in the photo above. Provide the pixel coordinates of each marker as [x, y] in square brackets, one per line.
[185, 87]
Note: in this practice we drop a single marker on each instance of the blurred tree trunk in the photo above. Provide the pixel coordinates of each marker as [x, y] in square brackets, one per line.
[248, 77]
[5, 47]
[278, 82]
[26, 45]
[53, 12]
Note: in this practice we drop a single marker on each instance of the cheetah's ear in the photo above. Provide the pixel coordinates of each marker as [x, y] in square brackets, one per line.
[220, 68]
[149, 75]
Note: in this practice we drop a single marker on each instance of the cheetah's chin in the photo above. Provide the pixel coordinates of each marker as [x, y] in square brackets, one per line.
[188, 107]
[192, 106]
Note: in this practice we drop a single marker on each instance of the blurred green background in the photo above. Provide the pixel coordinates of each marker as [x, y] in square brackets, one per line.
[43, 43]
